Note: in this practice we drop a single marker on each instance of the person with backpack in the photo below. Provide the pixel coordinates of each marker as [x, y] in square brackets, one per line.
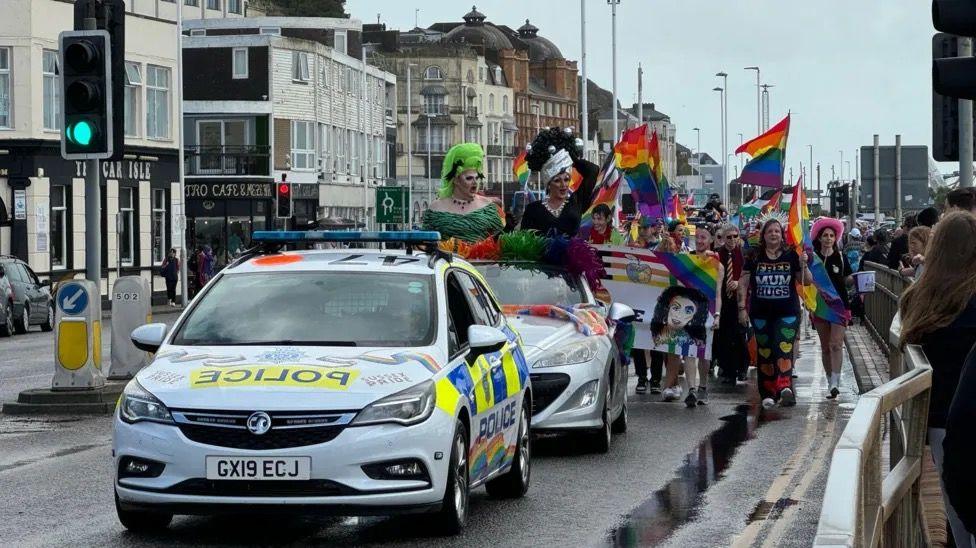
[170, 270]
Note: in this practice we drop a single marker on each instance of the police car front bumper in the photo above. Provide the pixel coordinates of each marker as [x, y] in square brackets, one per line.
[338, 483]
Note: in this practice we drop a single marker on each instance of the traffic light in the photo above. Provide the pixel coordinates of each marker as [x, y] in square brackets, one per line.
[839, 200]
[955, 77]
[86, 90]
[282, 199]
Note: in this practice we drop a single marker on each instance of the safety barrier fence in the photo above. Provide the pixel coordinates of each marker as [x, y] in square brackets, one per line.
[881, 308]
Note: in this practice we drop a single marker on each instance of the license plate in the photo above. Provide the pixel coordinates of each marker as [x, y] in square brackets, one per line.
[259, 468]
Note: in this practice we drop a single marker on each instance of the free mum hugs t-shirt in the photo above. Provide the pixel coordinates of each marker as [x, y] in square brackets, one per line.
[773, 287]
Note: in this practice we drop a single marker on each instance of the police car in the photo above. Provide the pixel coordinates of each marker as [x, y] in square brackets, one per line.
[344, 381]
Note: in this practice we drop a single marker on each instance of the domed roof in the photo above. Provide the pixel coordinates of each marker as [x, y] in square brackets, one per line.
[540, 48]
[475, 31]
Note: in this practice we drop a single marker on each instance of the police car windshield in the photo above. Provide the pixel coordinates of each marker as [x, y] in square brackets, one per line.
[314, 308]
[532, 284]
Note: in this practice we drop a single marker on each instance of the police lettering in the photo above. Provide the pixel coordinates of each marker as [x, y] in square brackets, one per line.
[271, 375]
[499, 420]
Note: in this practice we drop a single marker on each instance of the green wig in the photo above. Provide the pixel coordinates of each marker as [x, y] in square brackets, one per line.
[460, 158]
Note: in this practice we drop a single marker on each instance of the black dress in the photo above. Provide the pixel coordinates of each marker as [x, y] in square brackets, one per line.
[537, 217]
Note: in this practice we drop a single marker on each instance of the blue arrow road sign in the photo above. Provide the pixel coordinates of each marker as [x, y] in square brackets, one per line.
[72, 299]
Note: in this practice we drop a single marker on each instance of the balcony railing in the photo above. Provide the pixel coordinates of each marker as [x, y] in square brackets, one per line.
[421, 148]
[228, 160]
[501, 150]
[436, 110]
[472, 112]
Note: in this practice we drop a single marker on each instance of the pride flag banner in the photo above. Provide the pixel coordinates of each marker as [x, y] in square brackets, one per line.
[607, 191]
[768, 153]
[520, 167]
[634, 161]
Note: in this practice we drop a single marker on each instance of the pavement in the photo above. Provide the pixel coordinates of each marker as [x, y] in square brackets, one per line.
[717, 475]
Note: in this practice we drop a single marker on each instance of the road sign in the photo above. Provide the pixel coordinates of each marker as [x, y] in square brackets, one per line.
[73, 299]
[391, 204]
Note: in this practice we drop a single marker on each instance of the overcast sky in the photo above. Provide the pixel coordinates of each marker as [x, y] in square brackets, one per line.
[847, 69]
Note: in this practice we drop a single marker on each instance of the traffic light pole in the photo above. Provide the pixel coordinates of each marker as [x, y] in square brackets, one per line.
[93, 211]
[965, 125]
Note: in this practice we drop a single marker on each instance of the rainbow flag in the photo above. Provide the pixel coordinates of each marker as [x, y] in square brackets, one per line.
[677, 209]
[606, 192]
[520, 167]
[663, 188]
[768, 153]
[633, 157]
[697, 271]
[821, 297]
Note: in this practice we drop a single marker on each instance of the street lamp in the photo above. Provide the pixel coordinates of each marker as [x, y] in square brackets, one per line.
[725, 131]
[698, 157]
[409, 127]
[613, 49]
[765, 105]
[758, 107]
[538, 128]
[722, 193]
[841, 164]
[430, 186]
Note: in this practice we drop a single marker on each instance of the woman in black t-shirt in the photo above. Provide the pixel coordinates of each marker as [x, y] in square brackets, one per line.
[768, 286]
[826, 233]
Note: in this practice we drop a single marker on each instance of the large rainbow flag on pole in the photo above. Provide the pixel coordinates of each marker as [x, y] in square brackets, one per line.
[821, 297]
[768, 153]
[663, 187]
[606, 192]
[633, 156]
[520, 167]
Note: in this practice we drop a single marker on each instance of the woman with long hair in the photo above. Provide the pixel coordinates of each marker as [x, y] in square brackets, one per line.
[460, 212]
[826, 233]
[555, 154]
[732, 359]
[913, 262]
[938, 312]
[768, 286]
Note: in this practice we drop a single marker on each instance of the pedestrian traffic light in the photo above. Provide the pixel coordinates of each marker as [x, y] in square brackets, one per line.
[282, 199]
[86, 91]
[843, 200]
[955, 77]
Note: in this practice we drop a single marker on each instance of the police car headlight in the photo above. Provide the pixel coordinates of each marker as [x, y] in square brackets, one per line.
[410, 406]
[138, 404]
[580, 352]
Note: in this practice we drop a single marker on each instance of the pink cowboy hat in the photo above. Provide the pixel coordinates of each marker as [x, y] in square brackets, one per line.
[827, 222]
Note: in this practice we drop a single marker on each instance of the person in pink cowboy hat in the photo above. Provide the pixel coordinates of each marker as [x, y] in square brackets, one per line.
[827, 234]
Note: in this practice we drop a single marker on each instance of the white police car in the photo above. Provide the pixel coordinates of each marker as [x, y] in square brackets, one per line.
[341, 381]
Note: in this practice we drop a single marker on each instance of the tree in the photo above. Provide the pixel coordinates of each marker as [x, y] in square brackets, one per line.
[304, 8]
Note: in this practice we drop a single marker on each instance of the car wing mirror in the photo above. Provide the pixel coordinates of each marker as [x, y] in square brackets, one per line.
[149, 337]
[484, 339]
[620, 312]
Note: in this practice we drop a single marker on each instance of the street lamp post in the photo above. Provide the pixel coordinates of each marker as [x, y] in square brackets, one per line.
[841, 165]
[698, 157]
[430, 187]
[613, 48]
[722, 191]
[409, 127]
[758, 106]
[538, 128]
[584, 106]
[725, 134]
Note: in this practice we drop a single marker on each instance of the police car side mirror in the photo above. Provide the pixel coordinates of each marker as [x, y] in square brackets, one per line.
[620, 312]
[149, 337]
[484, 339]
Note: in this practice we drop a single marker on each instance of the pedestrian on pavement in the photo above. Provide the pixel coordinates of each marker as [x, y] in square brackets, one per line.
[554, 154]
[697, 369]
[204, 256]
[913, 262]
[938, 312]
[877, 251]
[170, 270]
[854, 248]
[826, 233]
[899, 246]
[768, 286]
[959, 448]
[731, 349]
[961, 199]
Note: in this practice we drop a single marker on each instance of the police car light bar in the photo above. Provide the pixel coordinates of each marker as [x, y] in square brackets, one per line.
[401, 236]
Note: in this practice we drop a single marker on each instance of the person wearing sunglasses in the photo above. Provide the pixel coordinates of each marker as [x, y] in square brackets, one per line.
[731, 336]
[555, 155]
[460, 212]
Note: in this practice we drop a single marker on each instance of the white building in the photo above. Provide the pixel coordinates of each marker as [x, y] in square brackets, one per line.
[141, 187]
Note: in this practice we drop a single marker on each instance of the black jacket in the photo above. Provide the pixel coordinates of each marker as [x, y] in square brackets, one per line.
[537, 217]
[960, 447]
[946, 349]
[899, 247]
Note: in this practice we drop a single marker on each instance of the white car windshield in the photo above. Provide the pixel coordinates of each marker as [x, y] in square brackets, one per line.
[314, 308]
[532, 284]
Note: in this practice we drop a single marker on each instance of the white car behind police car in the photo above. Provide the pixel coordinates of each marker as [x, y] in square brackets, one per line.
[343, 381]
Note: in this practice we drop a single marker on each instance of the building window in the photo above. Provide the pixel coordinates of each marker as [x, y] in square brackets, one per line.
[195, 3]
[299, 63]
[340, 41]
[481, 74]
[302, 145]
[491, 103]
[127, 234]
[325, 148]
[325, 69]
[59, 228]
[504, 104]
[158, 225]
[133, 99]
[380, 157]
[52, 90]
[234, 6]
[353, 152]
[240, 63]
[270, 30]
[157, 102]
[340, 147]
[213, 4]
[198, 32]
[433, 72]
[434, 104]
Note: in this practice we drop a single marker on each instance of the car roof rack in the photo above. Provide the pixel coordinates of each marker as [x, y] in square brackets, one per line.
[271, 241]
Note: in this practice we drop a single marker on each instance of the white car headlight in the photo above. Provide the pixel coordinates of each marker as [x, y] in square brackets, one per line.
[138, 404]
[580, 352]
[410, 406]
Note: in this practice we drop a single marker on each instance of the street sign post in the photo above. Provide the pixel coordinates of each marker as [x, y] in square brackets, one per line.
[78, 337]
[130, 309]
[391, 204]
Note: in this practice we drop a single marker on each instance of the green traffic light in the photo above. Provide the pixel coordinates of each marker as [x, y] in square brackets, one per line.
[81, 133]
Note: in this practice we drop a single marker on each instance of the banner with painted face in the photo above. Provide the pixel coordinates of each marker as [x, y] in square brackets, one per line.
[673, 295]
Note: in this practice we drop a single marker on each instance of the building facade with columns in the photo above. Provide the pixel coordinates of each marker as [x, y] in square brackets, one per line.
[42, 196]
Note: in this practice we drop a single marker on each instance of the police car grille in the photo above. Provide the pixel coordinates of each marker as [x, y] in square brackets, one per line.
[266, 488]
[546, 387]
[289, 429]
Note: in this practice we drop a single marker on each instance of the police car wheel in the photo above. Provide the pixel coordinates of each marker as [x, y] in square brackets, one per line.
[620, 423]
[515, 482]
[21, 325]
[454, 509]
[48, 324]
[142, 522]
[600, 439]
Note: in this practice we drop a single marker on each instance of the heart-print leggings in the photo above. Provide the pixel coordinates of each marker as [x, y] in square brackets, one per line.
[775, 338]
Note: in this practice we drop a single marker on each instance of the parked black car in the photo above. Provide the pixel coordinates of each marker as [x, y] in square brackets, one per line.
[32, 301]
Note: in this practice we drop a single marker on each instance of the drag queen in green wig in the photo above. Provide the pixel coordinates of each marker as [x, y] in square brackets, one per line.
[460, 212]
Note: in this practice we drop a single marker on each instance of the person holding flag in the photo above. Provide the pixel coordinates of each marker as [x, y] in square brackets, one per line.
[826, 233]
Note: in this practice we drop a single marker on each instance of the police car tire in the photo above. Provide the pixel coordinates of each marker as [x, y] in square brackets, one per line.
[512, 485]
[48, 324]
[450, 521]
[142, 522]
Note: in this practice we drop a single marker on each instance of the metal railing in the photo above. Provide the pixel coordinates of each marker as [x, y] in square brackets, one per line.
[862, 505]
[228, 160]
[881, 307]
